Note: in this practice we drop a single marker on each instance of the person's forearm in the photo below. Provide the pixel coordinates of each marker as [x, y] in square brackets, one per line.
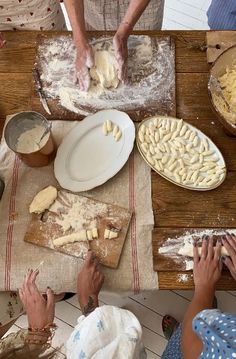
[133, 13]
[191, 344]
[75, 11]
[88, 305]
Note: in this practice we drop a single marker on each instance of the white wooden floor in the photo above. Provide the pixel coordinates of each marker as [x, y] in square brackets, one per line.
[148, 307]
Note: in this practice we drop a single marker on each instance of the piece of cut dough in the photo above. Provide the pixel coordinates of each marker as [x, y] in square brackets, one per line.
[43, 200]
[116, 130]
[187, 250]
[95, 233]
[89, 235]
[118, 136]
[109, 126]
[104, 70]
[113, 234]
[104, 128]
[71, 238]
[106, 233]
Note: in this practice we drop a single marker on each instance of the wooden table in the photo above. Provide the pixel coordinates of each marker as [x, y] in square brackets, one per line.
[172, 211]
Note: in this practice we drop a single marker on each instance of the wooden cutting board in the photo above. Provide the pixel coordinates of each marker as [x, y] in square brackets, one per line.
[165, 105]
[71, 210]
[218, 42]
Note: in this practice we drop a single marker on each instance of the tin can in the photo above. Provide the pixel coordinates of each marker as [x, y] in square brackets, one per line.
[29, 135]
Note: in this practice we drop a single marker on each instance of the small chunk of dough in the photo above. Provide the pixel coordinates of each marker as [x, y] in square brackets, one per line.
[43, 200]
[113, 234]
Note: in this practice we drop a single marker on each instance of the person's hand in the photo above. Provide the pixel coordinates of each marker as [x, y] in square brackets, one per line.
[40, 312]
[229, 242]
[84, 62]
[2, 40]
[90, 281]
[121, 54]
[207, 268]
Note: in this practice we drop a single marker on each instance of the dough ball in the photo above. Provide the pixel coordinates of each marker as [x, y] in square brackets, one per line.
[104, 70]
[43, 200]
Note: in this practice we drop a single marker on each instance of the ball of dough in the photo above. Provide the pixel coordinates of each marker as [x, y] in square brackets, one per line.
[43, 200]
[104, 70]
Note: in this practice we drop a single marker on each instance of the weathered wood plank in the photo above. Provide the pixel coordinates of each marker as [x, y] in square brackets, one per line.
[174, 206]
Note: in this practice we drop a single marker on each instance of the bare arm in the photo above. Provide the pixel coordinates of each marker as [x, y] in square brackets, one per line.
[75, 10]
[206, 273]
[133, 13]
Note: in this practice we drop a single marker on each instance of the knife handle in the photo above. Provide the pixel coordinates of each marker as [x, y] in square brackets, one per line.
[37, 79]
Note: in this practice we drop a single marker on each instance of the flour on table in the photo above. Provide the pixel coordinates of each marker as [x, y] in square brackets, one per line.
[30, 140]
[177, 247]
[77, 213]
[183, 278]
[150, 64]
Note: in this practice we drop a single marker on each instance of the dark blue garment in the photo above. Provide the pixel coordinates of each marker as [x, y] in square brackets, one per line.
[222, 15]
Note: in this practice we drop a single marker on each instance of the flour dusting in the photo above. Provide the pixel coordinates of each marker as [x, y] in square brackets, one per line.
[173, 245]
[150, 73]
[77, 213]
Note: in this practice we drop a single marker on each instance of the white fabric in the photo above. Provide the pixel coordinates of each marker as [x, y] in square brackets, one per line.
[107, 333]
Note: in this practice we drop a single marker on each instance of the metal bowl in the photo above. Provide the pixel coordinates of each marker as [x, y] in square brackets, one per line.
[226, 60]
[19, 124]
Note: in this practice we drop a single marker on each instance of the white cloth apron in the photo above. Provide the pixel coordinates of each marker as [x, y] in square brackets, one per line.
[108, 14]
[31, 15]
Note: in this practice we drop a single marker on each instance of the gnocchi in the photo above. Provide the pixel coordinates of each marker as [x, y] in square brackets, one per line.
[174, 148]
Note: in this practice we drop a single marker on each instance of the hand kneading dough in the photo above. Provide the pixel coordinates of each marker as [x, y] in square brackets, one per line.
[187, 250]
[43, 200]
[105, 69]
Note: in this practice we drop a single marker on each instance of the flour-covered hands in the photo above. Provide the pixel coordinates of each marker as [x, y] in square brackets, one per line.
[121, 54]
[84, 62]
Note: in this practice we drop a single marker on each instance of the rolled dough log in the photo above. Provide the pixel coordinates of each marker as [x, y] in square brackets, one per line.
[187, 250]
[43, 200]
[71, 238]
[105, 69]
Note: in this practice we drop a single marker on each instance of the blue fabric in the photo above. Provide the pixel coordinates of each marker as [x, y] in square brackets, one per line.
[218, 333]
[222, 15]
[216, 330]
[173, 349]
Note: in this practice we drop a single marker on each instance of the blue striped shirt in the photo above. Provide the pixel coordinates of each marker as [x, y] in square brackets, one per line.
[222, 15]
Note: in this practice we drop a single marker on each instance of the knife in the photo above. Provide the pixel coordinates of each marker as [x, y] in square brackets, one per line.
[39, 88]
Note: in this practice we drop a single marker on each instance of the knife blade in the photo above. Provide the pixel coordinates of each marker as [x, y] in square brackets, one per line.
[39, 88]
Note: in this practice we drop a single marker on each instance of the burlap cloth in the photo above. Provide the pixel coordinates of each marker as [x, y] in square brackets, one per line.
[130, 188]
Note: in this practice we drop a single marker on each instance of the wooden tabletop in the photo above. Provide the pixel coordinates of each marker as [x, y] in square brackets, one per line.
[173, 206]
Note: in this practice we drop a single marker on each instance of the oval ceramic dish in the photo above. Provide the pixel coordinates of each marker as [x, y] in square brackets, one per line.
[181, 153]
[87, 158]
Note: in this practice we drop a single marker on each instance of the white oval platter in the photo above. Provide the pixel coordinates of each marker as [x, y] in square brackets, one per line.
[87, 158]
[172, 156]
